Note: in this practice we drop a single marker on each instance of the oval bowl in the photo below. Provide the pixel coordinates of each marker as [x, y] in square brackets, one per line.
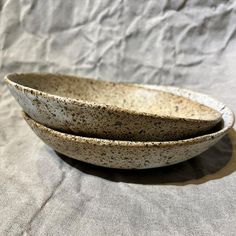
[134, 154]
[103, 109]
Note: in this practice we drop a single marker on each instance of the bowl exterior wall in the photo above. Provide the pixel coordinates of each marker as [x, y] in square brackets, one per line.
[122, 156]
[100, 121]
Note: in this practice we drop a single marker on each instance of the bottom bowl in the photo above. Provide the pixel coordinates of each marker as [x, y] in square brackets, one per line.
[133, 154]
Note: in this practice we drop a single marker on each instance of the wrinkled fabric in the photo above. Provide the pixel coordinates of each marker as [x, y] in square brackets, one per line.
[190, 44]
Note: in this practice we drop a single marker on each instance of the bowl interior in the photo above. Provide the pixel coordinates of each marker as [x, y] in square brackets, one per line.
[126, 96]
[228, 117]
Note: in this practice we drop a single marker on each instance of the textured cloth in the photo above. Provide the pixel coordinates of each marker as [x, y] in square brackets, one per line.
[190, 44]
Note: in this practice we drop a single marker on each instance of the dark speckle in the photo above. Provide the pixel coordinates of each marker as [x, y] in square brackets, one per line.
[118, 123]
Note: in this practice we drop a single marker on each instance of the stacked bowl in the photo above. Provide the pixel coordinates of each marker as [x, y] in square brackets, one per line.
[119, 125]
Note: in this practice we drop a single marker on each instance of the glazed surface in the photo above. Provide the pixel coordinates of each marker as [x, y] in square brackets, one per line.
[124, 154]
[106, 110]
[136, 155]
[126, 96]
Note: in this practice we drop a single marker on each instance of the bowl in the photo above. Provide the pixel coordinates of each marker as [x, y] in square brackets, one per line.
[109, 110]
[135, 154]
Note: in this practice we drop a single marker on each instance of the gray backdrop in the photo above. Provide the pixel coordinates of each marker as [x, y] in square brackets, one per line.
[189, 44]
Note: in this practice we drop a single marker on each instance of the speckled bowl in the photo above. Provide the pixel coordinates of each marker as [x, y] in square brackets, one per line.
[133, 154]
[109, 110]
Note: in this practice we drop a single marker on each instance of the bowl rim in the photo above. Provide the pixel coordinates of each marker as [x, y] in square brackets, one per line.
[113, 108]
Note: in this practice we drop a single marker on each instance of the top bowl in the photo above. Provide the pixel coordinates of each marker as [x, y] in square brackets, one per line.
[110, 110]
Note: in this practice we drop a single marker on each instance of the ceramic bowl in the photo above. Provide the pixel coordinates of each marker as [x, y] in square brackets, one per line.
[134, 154]
[97, 108]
